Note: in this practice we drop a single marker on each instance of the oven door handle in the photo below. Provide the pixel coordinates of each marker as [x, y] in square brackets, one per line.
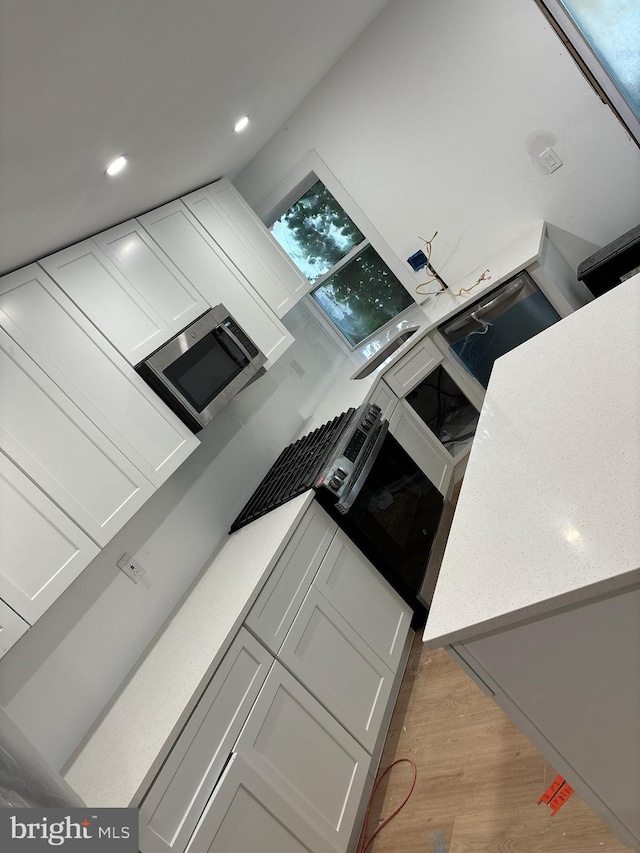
[344, 505]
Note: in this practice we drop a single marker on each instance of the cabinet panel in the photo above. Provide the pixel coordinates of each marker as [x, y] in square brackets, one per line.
[245, 814]
[360, 594]
[275, 608]
[175, 802]
[55, 334]
[62, 451]
[422, 446]
[207, 268]
[335, 664]
[12, 627]
[221, 213]
[108, 299]
[41, 550]
[412, 367]
[154, 277]
[384, 397]
[306, 756]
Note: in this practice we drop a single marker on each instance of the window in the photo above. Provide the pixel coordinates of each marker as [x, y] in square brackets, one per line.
[603, 37]
[354, 287]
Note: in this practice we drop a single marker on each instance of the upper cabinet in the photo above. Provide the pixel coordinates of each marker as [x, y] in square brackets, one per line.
[51, 330]
[208, 269]
[128, 288]
[248, 244]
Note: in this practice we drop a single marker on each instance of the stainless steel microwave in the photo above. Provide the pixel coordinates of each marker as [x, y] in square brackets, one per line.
[202, 368]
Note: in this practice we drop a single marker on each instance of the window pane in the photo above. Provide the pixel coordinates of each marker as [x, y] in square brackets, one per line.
[315, 232]
[612, 28]
[362, 296]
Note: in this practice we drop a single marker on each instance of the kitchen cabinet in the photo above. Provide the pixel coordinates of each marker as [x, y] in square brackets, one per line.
[247, 814]
[207, 268]
[335, 664]
[383, 397]
[584, 661]
[306, 756]
[248, 244]
[422, 446]
[172, 808]
[12, 627]
[41, 549]
[414, 366]
[59, 448]
[55, 334]
[128, 290]
[276, 607]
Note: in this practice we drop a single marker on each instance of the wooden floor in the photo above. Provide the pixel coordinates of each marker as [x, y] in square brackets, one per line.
[478, 776]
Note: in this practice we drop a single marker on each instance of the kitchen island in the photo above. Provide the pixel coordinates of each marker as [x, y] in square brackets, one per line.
[538, 596]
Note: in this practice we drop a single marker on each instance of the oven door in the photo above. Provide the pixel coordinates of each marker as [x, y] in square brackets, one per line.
[394, 520]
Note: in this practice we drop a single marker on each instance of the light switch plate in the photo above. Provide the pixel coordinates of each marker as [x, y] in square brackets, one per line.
[549, 160]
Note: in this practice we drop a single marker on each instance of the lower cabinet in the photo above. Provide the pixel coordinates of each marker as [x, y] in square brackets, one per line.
[12, 627]
[277, 754]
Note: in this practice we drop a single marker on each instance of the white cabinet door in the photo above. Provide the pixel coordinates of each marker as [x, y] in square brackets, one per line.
[335, 664]
[412, 368]
[64, 344]
[108, 299]
[307, 757]
[360, 594]
[12, 627]
[246, 241]
[411, 432]
[155, 279]
[62, 451]
[275, 608]
[384, 397]
[177, 797]
[41, 550]
[200, 260]
[245, 815]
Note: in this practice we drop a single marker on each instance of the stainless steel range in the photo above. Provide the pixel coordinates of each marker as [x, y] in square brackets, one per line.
[372, 489]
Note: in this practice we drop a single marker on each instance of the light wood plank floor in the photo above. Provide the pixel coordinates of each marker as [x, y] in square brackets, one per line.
[478, 776]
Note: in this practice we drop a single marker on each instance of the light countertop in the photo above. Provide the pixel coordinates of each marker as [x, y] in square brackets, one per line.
[121, 755]
[549, 513]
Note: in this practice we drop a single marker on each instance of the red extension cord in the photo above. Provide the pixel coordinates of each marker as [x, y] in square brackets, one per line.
[364, 846]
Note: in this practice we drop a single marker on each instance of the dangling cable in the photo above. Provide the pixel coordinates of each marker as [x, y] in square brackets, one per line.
[364, 846]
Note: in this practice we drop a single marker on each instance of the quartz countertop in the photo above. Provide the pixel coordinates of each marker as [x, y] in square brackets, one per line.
[124, 750]
[549, 512]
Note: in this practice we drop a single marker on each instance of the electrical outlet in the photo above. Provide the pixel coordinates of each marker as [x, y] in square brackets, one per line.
[130, 567]
[299, 369]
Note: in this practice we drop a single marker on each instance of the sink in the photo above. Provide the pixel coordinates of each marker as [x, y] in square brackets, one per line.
[384, 354]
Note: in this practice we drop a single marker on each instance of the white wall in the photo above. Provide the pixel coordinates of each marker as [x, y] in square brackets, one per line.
[429, 121]
[56, 680]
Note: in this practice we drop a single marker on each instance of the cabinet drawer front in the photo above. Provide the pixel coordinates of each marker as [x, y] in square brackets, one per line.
[175, 802]
[275, 608]
[360, 594]
[245, 815]
[41, 550]
[208, 269]
[12, 627]
[62, 342]
[62, 451]
[324, 652]
[414, 366]
[422, 446]
[98, 288]
[306, 756]
[240, 251]
[152, 274]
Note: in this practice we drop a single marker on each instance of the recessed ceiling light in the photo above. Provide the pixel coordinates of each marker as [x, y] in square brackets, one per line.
[241, 124]
[115, 166]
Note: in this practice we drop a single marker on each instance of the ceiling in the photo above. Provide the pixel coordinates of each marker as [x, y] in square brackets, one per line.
[162, 81]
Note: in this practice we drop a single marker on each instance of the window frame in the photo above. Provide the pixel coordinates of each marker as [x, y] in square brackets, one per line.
[311, 169]
[591, 65]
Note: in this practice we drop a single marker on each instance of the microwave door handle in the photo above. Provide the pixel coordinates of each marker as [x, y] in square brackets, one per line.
[346, 503]
[238, 343]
